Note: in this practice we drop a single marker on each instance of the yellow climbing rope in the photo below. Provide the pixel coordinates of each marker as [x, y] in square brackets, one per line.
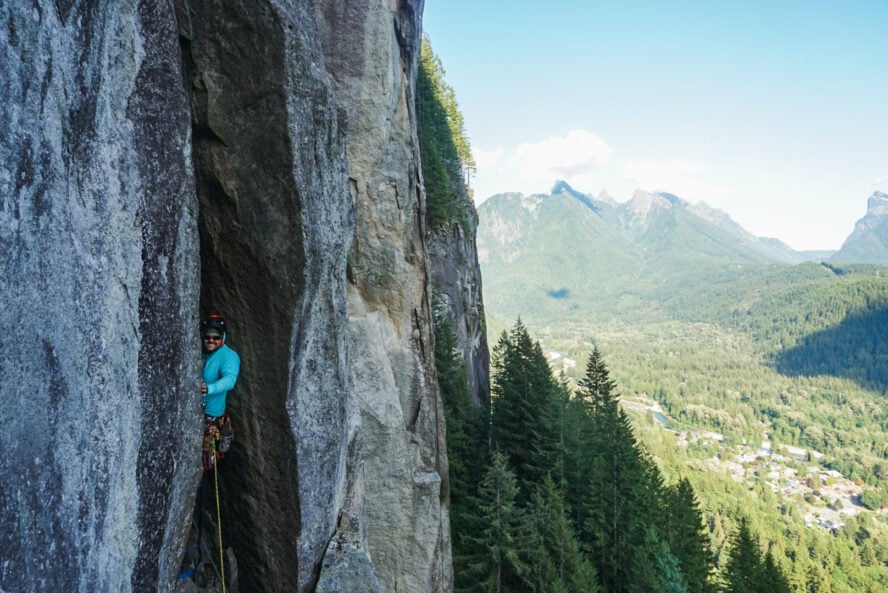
[218, 517]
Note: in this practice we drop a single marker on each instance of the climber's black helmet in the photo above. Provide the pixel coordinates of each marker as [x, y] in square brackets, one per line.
[214, 324]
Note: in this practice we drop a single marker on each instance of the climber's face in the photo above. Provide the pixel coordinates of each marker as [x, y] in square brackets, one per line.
[212, 342]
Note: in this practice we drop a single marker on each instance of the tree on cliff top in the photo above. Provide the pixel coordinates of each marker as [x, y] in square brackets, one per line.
[444, 147]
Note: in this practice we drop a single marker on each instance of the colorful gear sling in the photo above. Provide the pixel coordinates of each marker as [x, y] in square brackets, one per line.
[216, 439]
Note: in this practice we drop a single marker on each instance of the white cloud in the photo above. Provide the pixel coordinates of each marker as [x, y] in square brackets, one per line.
[578, 157]
[677, 176]
[881, 184]
[487, 158]
[584, 160]
[560, 157]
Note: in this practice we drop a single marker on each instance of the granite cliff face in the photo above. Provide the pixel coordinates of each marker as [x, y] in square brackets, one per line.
[400, 451]
[163, 161]
[456, 277]
[99, 283]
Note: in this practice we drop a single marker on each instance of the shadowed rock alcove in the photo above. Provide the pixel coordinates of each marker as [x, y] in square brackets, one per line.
[250, 270]
[275, 223]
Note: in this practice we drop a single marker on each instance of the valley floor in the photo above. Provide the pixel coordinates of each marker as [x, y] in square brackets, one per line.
[824, 497]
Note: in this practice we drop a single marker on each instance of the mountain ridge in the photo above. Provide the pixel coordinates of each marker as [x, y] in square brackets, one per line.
[638, 211]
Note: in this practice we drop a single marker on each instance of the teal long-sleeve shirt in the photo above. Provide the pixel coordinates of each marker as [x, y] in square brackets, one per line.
[220, 374]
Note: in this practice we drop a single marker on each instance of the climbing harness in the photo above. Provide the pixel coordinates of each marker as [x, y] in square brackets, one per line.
[211, 435]
[216, 428]
[216, 440]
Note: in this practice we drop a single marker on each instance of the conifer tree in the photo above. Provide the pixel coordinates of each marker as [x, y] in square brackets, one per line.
[597, 389]
[466, 439]
[745, 568]
[577, 441]
[524, 404]
[496, 564]
[818, 580]
[569, 475]
[555, 562]
[467, 425]
[624, 490]
[686, 535]
[774, 580]
[672, 578]
[656, 569]
[563, 427]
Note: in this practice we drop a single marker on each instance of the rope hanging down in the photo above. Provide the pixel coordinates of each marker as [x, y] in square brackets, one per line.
[219, 518]
[213, 458]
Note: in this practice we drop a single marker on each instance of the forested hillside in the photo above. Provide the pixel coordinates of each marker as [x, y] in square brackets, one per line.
[797, 352]
[551, 491]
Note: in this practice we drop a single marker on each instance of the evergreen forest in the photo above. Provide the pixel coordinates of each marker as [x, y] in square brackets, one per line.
[557, 488]
[551, 491]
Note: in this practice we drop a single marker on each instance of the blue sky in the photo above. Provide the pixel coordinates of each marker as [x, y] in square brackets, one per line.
[774, 111]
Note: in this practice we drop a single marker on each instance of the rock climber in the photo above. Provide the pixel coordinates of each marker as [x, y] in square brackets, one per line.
[221, 368]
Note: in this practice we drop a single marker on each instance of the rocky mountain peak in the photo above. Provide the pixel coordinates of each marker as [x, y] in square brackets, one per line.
[876, 214]
[643, 203]
[868, 243]
[877, 205]
[671, 198]
[562, 187]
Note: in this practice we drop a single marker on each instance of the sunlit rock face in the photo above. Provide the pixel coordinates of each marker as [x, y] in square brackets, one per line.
[371, 52]
[868, 243]
[159, 162]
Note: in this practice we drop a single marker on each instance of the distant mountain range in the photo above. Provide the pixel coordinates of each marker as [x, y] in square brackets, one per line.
[645, 210]
[652, 252]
